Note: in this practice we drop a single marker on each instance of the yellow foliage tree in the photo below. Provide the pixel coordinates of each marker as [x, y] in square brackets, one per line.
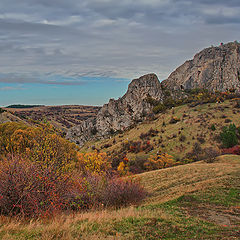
[123, 169]
[161, 160]
[94, 162]
[40, 144]
[6, 131]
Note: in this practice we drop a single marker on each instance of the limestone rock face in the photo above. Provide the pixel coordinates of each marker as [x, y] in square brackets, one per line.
[214, 68]
[82, 132]
[122, 113]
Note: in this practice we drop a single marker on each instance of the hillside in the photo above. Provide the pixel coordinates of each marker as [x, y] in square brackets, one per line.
[177, 139]
[9, 117]
[62, 117]
[194, 201]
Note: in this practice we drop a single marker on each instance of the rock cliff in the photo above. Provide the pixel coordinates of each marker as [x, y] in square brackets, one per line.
[214, 68]
[122, 113]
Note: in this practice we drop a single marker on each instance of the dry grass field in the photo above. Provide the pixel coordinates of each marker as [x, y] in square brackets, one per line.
[194, 201]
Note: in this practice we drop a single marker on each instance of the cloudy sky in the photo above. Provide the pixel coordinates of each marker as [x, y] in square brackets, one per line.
[87, 51]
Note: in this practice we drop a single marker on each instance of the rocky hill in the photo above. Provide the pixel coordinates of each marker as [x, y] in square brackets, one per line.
[119, 114]
[214, 68]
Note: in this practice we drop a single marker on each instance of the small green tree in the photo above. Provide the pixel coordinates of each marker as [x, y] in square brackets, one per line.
[229, 136]
[213, 128]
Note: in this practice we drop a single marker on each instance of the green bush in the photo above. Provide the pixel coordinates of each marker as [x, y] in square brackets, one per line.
[169, 102]
[213, 128]
[152, 101]
[229, 136]
[159, 108]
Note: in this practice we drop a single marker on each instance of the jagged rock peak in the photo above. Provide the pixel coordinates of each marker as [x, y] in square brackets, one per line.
[122, 113]
[145, 85]
[214, 68]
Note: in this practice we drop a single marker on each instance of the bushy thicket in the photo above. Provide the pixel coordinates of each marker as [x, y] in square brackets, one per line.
[42, 174]
[29, 190]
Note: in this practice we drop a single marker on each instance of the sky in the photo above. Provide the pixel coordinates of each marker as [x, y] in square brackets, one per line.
[56, 52]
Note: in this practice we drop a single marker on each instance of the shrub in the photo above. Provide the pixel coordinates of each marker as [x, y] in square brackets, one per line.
[123, 167]
[182, 138]
[28, 190]
[237, 104]
[174, 120]
[119, 192]
[39, 144]
[169, 102]
[152, 101]
[229, 136]
[210, 154]
[116, 159]
[137, 165]
[150, 133]
[161, 160]
[94, 162]
[159, 108]
[233, 150]
[227, 120]
[95, 191]
[213, 128]
[196, 153]
[201, 140]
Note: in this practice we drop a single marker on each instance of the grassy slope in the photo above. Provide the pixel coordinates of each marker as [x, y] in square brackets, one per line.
[194, 201]
[198, 121]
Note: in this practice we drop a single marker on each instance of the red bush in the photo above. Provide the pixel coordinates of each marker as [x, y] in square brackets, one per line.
[27, 189]
[30, 190]
[233, 150]
[98, 191]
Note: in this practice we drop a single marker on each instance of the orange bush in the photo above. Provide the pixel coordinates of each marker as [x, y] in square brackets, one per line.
[161, 160]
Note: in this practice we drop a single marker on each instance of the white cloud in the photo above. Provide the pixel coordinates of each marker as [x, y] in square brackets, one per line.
[107, 37]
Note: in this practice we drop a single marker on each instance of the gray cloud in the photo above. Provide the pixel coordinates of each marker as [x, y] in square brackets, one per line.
[40, 39]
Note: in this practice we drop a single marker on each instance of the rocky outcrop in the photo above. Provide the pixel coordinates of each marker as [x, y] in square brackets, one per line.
[122, 113]
[214, 68]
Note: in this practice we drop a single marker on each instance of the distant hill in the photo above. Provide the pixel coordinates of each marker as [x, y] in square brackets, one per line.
[23, 106]
[62, 117]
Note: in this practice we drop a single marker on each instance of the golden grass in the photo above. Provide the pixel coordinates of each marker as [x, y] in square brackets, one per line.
[192, 126]
[163, 185]
[170, 183]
